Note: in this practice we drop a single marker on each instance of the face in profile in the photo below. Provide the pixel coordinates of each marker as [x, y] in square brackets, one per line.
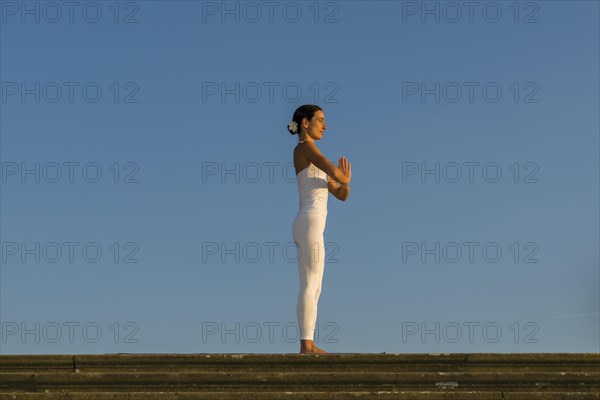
[316, 126]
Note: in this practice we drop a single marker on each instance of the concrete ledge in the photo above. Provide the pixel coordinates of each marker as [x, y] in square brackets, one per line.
[401, 395]
[562, 362]
[326, 376]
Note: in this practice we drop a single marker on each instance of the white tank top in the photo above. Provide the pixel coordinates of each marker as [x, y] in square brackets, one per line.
[312, 185]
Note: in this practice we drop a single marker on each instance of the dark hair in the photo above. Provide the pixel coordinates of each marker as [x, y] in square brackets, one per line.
[306, 111]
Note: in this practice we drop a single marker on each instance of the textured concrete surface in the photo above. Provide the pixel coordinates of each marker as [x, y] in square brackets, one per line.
[298, 376]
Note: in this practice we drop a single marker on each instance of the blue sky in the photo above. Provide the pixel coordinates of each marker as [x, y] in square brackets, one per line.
[147, 193]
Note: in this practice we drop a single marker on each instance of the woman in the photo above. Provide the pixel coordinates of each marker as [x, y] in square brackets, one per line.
[316, 176]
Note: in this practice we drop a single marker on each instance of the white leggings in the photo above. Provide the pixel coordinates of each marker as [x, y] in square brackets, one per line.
[308, 232]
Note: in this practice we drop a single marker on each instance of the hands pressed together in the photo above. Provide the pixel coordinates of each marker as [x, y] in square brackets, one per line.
[345, 166]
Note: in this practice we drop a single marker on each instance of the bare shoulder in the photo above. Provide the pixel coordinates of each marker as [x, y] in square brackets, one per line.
[309, 148]
[300, 157]
[299, 150]
[305, 148]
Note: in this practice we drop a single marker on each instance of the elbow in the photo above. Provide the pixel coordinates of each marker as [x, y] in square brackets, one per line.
[340, 196]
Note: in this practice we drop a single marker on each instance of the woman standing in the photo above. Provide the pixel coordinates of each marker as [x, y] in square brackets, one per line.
[317, 177]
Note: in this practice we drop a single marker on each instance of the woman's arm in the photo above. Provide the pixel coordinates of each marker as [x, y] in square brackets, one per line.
[340, 190]
[313, 154]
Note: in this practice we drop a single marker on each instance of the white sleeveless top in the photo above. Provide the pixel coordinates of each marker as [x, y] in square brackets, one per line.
[312, 186]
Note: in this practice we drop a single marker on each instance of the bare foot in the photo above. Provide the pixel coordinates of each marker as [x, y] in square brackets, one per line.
[309, 347]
